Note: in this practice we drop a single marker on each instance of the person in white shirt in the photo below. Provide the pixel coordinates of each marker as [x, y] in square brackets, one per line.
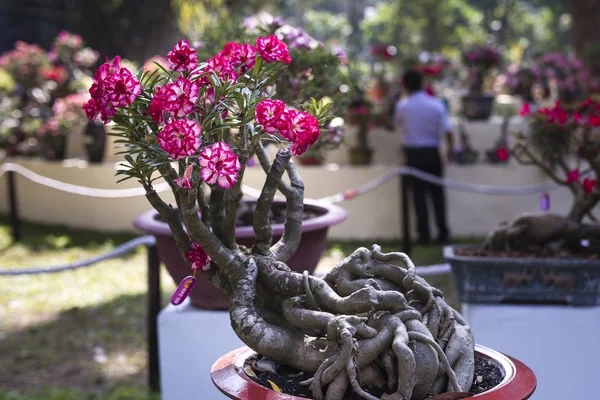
[423, 119]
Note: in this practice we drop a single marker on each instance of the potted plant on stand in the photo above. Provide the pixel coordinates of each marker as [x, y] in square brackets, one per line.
[477, 105]
[543, 258]
[566, 77]
[370, 323]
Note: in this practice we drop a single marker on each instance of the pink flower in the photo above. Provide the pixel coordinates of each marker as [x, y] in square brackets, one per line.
[525, 110]
[157, 106]
[589, 185]
[180, 97]
[558, 114]
[222, 67]
[198, 258]
[243, 58]
[182, 57]
[577, 117]
[186, 180]
[300, 128]
[123, 88]
[573, 176]
[180, 138]
[113, 86]
[272, 49]
[588, 102]
[268, 114]
[502, 153]
[219, 165]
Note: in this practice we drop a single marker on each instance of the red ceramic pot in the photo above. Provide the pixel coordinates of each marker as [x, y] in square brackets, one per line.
[229, 377]
[205, 295]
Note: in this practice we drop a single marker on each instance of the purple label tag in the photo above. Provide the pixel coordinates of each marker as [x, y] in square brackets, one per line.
[545, 201]
[183, 290]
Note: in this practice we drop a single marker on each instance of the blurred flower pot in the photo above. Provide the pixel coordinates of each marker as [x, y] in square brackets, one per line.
[477, 107]
[205, 295]
[360, 156]
[95, 141]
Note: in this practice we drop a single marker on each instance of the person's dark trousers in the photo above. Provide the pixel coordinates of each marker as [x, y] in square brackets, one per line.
[427, 159]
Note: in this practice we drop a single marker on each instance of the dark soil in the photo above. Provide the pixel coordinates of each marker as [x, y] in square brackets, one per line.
[245, 213]
[521, 254]
[487, 375]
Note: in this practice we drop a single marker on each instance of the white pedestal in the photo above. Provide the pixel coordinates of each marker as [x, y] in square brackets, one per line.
[559, 343]
[189, 342]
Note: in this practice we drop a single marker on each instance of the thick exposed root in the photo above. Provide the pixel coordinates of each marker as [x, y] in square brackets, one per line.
[372, 322]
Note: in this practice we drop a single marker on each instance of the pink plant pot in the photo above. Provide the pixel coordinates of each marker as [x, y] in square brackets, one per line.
[228, 375]
[205, 295]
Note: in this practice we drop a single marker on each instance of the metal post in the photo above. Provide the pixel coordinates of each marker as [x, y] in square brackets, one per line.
[14, 209]
[154, 299]
[404, 188]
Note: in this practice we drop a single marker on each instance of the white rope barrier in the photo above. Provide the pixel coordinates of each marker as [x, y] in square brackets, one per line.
[76, 189]
[255, 193]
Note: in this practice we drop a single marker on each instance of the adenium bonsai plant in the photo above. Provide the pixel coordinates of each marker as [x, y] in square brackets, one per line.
[480, 62]
[562, 140]
[195, 125]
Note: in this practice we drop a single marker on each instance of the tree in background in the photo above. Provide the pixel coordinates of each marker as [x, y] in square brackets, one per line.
[586, 35]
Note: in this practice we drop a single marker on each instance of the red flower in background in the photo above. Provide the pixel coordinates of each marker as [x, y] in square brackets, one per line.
[525, 110]
[593, 120]
[56, 74]
[502, 153]
[589, 185]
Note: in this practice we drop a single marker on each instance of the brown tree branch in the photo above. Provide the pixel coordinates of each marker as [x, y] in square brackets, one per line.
[233, 199]
[287, 245]
[217, 211]
[171, 216]
[262, 225]
[532, 159]
[198, 231]
[264, 162]
[203, 203]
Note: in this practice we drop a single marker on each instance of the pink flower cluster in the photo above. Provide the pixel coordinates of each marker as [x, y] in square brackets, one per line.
[198, 258]
[182, 57]
[113, 86]
[219, 165]
[177, 98]
[484, 57]
[557, 115]
[51, 127]
[271, 49]
[298, 127]
[86, 57]
[24, 62]
[180, 138]
[569, 73]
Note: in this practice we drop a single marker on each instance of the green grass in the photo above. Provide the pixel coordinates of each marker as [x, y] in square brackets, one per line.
[82, 334]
